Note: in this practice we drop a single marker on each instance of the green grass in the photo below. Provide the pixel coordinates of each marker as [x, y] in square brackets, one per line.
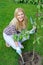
[8, 56]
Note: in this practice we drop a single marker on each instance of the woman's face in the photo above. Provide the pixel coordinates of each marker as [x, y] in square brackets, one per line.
[20, 16]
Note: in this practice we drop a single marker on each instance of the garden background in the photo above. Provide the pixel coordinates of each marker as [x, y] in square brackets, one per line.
[8, 56]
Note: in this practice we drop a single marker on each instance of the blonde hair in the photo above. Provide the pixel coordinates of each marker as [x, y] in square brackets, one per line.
[19, 25]
[23, 24]
[17, 10]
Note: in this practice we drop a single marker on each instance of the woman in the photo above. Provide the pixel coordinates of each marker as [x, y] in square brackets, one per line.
[17, 24]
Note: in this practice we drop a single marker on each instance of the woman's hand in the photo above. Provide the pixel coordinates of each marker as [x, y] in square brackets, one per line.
[34, 27]
[16, 43]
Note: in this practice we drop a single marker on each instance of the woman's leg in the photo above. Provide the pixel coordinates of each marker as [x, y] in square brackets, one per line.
[8, 39]
[11, 42]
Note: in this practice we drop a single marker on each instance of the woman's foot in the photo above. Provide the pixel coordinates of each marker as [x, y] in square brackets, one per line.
[7, 45]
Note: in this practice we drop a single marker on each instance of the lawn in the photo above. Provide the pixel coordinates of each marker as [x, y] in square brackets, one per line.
[8, 56]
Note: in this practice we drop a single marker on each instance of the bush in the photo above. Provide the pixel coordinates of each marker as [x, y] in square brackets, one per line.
[16, 1]
[29, 1]
[25, 1]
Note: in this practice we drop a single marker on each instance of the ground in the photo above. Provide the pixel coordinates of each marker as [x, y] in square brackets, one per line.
[27, 56]
[8, 56]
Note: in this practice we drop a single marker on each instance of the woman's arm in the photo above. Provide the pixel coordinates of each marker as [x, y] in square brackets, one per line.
[16, 43]
[32, 30]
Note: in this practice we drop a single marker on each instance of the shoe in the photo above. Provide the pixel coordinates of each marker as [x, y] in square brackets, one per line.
[7, 45]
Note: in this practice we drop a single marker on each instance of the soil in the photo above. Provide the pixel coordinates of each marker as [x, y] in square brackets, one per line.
[27, 56]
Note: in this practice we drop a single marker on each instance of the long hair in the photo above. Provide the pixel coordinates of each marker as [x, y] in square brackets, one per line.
[23, 24]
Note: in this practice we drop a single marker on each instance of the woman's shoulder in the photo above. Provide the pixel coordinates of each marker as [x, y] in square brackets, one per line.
[13, 21]
[11, 24]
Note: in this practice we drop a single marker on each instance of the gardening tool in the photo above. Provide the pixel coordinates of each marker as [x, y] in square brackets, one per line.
[18, 50]
[22, 59]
